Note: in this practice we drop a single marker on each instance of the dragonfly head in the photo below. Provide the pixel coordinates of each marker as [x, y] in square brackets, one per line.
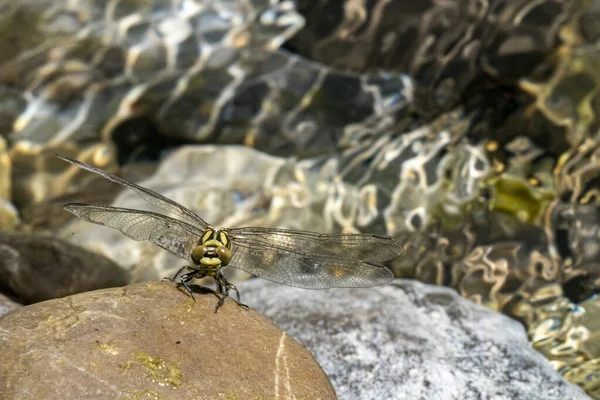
[213, 250]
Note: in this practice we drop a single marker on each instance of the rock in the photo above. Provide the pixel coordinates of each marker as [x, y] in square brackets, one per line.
[151, 340]
[5, 169]
[9, 216]
[37, 268]
[408, 340]
[7, 304]
[48, 214]
[38, 175]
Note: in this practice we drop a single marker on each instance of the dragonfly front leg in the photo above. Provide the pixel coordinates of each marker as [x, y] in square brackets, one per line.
[185, 267]
[185, 278]
[224, 287]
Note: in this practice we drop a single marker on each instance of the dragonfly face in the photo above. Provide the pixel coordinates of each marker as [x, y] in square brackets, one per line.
[213, 251]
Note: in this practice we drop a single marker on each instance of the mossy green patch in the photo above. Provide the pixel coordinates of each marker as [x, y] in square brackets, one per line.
[515, 196]
[109, 348]
[160, 371]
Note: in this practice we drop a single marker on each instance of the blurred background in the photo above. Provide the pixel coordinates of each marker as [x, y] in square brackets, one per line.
[467, 129]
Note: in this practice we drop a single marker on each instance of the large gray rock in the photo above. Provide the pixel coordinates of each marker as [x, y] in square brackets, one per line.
[151, 341]
[408, 340]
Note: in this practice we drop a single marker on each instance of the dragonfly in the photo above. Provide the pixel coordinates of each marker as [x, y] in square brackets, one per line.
[296, 258]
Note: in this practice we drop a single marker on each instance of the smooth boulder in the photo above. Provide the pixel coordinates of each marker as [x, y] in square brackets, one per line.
[151, 340]
[38, 267]
[7, 304]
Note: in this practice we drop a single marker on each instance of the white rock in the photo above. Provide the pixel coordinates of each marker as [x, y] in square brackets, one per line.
[408, 340]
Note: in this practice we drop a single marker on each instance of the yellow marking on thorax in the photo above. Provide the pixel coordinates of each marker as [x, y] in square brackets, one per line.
[207, 235]
[213, 238]
[225, 239]
[212, 242]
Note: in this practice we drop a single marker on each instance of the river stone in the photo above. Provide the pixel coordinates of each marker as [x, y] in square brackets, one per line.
[9, 216]
[151, 340]
[409, 340]
[7, 304]
[36, 268]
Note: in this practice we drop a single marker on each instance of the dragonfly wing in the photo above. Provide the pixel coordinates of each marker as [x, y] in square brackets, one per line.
[292, 268]
[175, 236]
[368, 248]
[150, 196]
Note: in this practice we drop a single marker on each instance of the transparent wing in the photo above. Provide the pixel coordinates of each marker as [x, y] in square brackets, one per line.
[175, 236]
[312, 260]
[151, 197]
[371, 248]
[298, 270]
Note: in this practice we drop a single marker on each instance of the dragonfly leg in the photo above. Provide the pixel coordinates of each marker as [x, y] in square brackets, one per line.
[224, 287]
[221, 289]
[237, 292]
[176, 274]
[220, 303]
[185, 278]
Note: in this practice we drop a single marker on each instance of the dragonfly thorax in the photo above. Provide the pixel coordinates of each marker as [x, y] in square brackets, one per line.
[213, 251]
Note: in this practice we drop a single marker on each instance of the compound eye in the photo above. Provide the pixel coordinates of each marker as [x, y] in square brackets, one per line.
[198, 253]
[224, 254]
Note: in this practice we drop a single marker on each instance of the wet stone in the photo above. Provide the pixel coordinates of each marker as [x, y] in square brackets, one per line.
[9, 216]
[35, 268]
[151, 340]
[409, 340]
[7, 304]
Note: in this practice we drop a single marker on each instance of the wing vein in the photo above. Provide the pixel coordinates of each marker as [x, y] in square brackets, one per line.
[148, 195]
